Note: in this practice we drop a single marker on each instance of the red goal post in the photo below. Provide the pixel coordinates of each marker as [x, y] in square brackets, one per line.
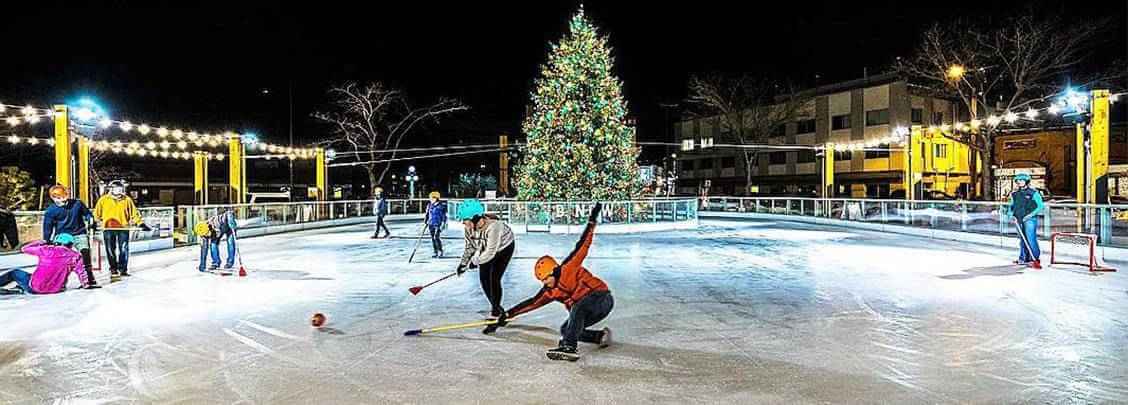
[1079, 245]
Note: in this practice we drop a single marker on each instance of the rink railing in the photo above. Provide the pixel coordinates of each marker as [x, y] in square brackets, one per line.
[566, 217]
[572, 216]
[29, 227]
[270, 218]
[1109, 222]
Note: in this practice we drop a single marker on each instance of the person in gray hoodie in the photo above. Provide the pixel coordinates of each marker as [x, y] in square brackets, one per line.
[489, 247]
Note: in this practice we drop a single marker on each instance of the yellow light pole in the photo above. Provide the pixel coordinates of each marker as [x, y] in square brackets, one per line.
[84, 170]
[321, 175]
[236, 169]
[200, 182]
[63, 169]
[828, 172]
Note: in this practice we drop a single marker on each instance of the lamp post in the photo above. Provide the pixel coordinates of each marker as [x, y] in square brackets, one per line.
[673, 189]
[411, 179]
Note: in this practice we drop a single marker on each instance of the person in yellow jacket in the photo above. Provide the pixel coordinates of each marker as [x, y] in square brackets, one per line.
[116, 212]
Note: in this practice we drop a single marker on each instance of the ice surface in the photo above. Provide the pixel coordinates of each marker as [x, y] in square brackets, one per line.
[734, 312]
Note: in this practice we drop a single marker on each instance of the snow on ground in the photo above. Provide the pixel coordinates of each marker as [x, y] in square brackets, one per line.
[733, 312]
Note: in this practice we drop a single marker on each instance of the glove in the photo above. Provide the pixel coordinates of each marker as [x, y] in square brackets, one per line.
[145, 227]
[461, 269]
[595, 213]
[501, 319]
[474, 261]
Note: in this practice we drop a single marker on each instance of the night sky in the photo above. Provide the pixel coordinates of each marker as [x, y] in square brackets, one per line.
[206, 66]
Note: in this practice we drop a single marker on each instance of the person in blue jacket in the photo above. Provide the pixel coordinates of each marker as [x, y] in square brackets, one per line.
[1025, 205]
[435, 219]
[70, 216]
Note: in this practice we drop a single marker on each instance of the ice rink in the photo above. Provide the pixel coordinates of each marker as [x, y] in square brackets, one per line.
[734, 312]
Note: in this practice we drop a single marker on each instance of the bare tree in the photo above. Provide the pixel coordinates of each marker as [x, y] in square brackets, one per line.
[994, 69]
[750, 109]
[372, 117]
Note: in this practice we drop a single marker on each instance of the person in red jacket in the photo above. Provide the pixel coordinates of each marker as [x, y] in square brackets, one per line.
[586, 297]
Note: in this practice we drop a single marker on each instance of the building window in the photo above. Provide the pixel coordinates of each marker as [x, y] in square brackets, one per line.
[940, 151]
[777, 158]
[805, 126]
[843, 155]
[806, 156]
[877, 117]
[882, 151]
[938, 118]
[877, 190]
[918, 116]
[728, 162]
[706, 164]
[840, 122]
[706, 142]
[687, 144]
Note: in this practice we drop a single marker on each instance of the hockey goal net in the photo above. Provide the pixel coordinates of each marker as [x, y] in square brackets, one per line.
[1076, 249]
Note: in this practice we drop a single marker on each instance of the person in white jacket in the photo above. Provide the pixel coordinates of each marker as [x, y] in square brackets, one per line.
[489, 247]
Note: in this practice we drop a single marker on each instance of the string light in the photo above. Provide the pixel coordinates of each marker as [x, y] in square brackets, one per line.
[105, 123]
[125, 126]
[162, 132]
[143, 129]
[13, 121]
[32, 119]
[1010, 117]
[150, 145]
[14, 139]
[165, 145]
[27, 111]
[182, 145]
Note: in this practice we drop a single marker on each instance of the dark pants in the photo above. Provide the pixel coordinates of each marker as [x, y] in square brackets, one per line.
[22, 278]
[436, 237]
[88, 265]
[589, 311]
[9, 232]
[117, 250]
[489, 273]
[380, 225]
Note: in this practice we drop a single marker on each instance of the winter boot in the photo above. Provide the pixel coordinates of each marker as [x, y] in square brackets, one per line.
[563, 353]
[605, 340]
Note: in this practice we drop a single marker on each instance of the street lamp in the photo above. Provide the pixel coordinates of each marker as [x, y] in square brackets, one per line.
[956, 72]
[673, 189]
[411, 179]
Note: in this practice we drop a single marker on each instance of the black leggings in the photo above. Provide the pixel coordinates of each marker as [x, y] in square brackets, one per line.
[489, 273]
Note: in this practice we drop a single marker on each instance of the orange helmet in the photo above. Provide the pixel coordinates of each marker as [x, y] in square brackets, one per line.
[58, 192]
[544, 268]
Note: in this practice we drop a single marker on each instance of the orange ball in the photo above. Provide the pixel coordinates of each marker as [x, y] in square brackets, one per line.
[317, 320]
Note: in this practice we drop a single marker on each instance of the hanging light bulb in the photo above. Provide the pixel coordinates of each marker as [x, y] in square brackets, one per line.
[1010, 117]
[182, 145]
[165, 144]
[176, 133]
[27, 111]
[32, 140]
[142, 152]
[219, 156]
[32, 119]
[12, 121]
[14, 139]
[150, 145]
[134, 145]
[162, 132]
[164, 154]
[143, 129]
[1031, 114]
[125, 126]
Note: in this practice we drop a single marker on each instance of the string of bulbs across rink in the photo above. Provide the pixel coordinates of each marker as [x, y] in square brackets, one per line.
[734, 310]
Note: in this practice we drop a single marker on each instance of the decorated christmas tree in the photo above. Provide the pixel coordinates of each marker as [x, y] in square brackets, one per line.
[580, 146]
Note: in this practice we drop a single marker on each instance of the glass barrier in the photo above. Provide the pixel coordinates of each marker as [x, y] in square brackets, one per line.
[18, 227]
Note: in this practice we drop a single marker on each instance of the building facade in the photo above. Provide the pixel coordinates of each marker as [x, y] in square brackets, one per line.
[864, 111]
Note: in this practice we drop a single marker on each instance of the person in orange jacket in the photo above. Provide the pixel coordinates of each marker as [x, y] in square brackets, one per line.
[586, 297]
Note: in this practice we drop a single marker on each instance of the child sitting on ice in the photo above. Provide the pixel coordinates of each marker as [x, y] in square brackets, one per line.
[56, 261]
[586, 297]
